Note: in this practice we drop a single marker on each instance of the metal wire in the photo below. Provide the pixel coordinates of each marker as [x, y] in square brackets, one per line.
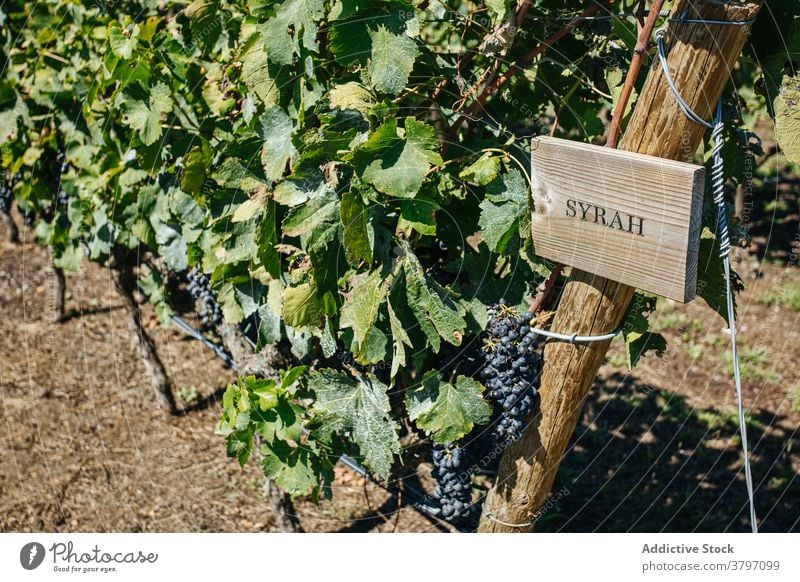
[684, 19]
[575, 338]
[718, 186]
[491, 517]
[723, 236]
[662, 56]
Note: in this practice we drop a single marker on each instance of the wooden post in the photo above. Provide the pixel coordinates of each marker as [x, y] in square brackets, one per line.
[701, 57]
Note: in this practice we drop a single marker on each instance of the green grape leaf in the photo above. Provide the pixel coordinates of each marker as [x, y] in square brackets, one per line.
[447, 412]
[392, 60]
[635, 331]
[360, 309]
[269, 328]
[205, 21]
[351, 96]
[397, 166]
[256, 71]
[250, 208]
[638, 343]
[374, 348]
[293, 468]
[301, 306]
[195, 168]
[359, 236]
[143, 110]
[433, 306]
[9, 118]
[498, 7]
[711, 276]
[774, 44]
[69, 258]
[417, 215]
[503, 210]
[122, 42]
[234, 175]
[231, 310]
[172, 246]
[315, 213]
[248, 295]
[358, 409]
[482, 171]
[153, 287]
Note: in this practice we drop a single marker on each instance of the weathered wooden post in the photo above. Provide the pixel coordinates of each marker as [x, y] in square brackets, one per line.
[700, 58]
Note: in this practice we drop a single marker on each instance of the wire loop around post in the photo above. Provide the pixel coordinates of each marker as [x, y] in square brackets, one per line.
[574, 338]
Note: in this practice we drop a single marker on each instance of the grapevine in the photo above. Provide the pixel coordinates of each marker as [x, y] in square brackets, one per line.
[286, 161]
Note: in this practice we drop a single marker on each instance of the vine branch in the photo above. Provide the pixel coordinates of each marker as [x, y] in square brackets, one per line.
[549, 283]
[642, 44]
[517, 67]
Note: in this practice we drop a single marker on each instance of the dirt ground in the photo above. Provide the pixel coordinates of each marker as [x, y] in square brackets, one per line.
[84, 449]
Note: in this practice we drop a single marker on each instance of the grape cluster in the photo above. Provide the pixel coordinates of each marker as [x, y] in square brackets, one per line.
[62, 198]
[200, 289]
[511, 370]
[452, 483]
[7, 190]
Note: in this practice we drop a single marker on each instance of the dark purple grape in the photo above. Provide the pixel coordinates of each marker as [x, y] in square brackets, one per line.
[199, 287]
[512, 367]
[453, 488]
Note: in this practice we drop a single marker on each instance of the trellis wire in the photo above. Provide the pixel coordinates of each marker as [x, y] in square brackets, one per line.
[718, 189]
[575, 338]
[414, 497]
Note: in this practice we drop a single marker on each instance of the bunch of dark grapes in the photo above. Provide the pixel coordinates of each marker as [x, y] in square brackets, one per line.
[62, 166]
[200, 289]
[62, 198]
[7, 190]
[511, 370]
[452, 483]
[29, 217]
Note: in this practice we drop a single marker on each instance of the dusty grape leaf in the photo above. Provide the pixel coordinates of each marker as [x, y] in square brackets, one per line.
[361, 308]
[358, 409]
[787, 118]
[275, 127]
[400, 341]
[392, 60]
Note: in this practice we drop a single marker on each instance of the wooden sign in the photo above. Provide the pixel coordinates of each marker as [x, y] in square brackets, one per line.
[627, 217]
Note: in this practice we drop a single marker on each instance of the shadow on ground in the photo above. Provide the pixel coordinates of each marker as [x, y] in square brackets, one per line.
[643, 459]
